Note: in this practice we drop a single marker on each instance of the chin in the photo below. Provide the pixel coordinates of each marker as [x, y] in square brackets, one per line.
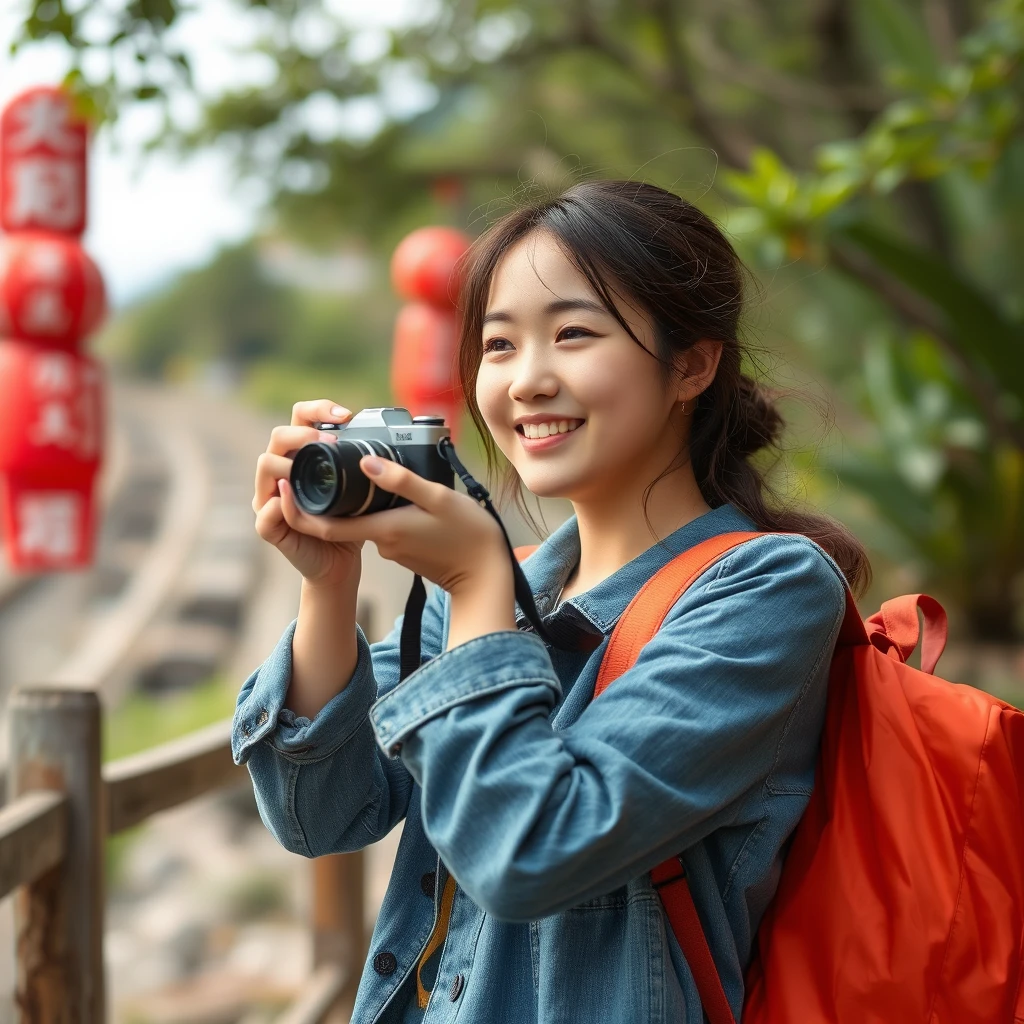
[544, 485]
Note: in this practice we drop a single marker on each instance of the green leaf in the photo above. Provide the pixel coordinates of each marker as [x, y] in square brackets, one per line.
[984, 335]
[901, 36]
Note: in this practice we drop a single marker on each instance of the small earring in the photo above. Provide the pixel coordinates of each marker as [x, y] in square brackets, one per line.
[682, 407]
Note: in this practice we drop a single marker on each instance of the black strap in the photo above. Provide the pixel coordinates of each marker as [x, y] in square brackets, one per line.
[410, 642]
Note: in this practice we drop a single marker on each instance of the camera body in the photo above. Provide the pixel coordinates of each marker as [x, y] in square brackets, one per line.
[326, 478]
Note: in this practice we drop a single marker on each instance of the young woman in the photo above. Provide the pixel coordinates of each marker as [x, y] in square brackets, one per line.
[599, 353]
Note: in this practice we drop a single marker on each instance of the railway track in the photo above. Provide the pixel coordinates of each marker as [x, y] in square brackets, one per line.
[177, 559]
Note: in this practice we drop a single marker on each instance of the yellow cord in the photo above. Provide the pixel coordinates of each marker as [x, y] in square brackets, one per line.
[436, 940]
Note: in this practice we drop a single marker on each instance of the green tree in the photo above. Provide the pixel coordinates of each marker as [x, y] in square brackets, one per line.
[873, 148]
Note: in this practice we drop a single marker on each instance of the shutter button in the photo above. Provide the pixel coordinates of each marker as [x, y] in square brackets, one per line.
[456, 989]
[384, 963]
[427, 883]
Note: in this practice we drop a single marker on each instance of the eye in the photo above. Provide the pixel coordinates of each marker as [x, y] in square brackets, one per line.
[490, 343]
[580, 332]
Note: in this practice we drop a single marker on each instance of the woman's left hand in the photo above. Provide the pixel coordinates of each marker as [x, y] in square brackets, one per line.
[444, 535]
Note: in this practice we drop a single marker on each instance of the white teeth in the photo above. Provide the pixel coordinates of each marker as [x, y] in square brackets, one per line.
[539, 430]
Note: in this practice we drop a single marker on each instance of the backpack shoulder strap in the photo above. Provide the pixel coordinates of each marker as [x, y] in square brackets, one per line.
[636, 627]
[646, 612]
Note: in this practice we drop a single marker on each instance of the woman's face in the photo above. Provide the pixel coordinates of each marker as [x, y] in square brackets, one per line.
[553, 355]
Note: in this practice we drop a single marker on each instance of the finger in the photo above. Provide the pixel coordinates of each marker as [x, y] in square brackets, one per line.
[269, 469]
[286, 440]
[322, 410]
[270, 522]
[334, 529]
[405, 483]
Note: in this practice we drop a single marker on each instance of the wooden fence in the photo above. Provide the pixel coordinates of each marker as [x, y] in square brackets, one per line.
[62, 805]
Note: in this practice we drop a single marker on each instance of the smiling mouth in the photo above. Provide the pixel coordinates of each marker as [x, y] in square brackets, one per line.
[539, 431]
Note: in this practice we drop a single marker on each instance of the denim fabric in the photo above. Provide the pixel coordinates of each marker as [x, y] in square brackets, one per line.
[550, 810]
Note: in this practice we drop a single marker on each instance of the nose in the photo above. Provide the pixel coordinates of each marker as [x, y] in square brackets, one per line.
[532, 375]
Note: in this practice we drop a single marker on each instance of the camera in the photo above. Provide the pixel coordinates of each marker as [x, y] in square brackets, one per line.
[326, 477]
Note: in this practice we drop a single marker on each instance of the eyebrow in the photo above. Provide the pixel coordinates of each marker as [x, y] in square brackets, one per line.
[557, 306]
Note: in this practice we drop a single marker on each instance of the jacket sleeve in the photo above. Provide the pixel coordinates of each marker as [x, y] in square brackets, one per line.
[532, 821]
[324, 786]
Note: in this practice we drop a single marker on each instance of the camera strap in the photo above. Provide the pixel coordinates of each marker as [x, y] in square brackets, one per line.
[410, 642]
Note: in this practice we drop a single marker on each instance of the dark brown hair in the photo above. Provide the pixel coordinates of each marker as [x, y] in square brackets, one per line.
[662, 254]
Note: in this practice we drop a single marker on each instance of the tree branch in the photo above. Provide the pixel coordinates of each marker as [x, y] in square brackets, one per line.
[778, 85]
[918, 312]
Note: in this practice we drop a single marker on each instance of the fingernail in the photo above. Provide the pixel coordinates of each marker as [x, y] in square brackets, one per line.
[372, 465]
[338, 410]
[282, 484]
[327, 435]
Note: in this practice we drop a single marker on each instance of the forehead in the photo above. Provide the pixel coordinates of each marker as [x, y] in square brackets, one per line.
[536, 269]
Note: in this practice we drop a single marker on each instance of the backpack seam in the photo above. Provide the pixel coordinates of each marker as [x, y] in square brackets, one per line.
[963, 864]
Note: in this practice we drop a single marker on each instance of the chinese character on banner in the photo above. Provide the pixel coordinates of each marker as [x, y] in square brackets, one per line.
[42, 164]
[51, 433]
[49, 526]
[50, 290]
[51, 297]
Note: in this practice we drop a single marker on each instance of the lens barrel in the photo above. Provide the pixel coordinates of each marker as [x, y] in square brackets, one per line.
[327, 480]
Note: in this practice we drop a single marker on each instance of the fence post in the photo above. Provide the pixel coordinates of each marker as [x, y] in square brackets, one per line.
[339, 882]
[55, 744]
[339, 931]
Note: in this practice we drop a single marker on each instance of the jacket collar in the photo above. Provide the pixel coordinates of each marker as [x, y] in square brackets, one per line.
[584, 620]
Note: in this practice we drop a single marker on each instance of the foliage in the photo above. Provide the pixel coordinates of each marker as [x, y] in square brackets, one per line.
[875, 144]
[233, 313]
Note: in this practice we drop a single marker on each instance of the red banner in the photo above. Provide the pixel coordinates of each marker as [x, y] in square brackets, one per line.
[51, 439]
[51, 297]
[42, 164]
[50, 290]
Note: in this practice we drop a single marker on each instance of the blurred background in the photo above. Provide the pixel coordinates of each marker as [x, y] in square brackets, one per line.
[255, 165]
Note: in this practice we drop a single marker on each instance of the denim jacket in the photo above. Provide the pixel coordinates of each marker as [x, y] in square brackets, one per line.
[548, 810]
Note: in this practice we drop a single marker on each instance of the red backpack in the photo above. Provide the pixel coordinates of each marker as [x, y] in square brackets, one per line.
[902, 896]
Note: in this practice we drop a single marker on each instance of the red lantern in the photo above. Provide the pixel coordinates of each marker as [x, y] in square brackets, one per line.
[42, 163]
[425, 265]
[51, 434]
[424, 374]
[50, 290]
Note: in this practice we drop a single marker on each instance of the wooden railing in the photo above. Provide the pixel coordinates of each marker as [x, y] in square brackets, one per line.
[62, 805]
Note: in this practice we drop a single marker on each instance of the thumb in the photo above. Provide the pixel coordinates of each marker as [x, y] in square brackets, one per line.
[403, 482]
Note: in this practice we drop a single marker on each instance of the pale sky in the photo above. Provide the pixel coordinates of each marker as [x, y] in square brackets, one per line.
[151, 216]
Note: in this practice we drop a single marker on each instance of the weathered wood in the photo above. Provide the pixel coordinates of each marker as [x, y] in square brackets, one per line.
[55, 745]
[321, 991]
[339, 930]
[33, 837]
[170, 774]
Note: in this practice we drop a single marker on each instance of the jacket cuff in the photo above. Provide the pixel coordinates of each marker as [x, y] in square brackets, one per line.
[484, 665]
[260, 713]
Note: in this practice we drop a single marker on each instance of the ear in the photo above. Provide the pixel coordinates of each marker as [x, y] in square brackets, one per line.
[697, 367]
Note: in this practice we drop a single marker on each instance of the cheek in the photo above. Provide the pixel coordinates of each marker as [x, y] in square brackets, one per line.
[492, 400]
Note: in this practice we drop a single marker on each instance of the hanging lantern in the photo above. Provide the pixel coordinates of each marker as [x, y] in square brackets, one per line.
[424, 375]
[51, 436]
[42, 163]
[50, 290]
[425, 265]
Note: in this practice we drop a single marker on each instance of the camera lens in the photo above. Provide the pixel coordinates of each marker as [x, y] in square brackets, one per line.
[327, 479]
[323, 478]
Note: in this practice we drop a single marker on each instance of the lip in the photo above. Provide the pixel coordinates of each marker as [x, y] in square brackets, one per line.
[541, 444]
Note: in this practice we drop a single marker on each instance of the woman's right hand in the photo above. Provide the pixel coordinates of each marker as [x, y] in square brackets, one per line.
[322, 563]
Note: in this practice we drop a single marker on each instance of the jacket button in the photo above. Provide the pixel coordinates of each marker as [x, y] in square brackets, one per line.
[427, 883]
[456, 990]
[384, 963]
